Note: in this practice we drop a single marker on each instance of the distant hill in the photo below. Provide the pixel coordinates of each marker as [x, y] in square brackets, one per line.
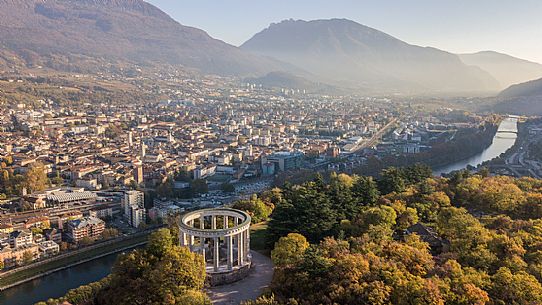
[286, 80]
[345, 52]
[521, 99]
[88, 34]
[527, 89]
[506, 69]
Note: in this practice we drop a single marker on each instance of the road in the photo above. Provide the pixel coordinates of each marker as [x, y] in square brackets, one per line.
[520, 160]
[249, 288]
[376, 137]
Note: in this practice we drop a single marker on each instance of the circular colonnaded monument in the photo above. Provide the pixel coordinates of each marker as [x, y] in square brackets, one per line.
[222, 236]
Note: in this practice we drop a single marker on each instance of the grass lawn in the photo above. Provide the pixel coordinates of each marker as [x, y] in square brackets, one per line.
[258, 234]
[23, 274]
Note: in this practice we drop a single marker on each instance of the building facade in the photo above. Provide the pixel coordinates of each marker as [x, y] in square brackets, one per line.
[78, 229]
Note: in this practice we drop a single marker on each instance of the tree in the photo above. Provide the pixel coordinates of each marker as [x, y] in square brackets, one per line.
[273, 196]
[57, 180]
[110, 233]
[469, 239]
[289, 250]
[339, 192]
[28, 257]
[160, 242]
[85, 241]
[163, 273]
[416, 173]
[365, 191]
[382, 217]
[304, 210]
[5, 181]
[391, 181]
[35, 179]
[492, 194]
[515, 289]
[258, 210]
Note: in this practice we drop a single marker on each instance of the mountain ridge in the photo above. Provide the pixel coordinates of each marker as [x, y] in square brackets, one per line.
[344, 50]
[58, 32]
[507, 69]
[528, 89]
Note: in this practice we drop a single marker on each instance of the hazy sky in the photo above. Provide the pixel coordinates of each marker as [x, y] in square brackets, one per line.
[509, 26]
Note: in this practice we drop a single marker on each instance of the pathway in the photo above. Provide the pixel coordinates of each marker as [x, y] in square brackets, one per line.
[248, 288]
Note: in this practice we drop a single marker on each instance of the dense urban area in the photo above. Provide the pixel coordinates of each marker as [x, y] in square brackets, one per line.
[73, 176]
[320, 162]
[94, 178]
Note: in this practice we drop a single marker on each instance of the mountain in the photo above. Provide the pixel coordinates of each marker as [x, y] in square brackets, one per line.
[506, 69]
[528, 89]
[345, 52]
[88, 34]
[520, 99]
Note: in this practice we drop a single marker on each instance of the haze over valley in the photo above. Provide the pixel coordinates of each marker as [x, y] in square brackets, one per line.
[86, 36]
[264, 152]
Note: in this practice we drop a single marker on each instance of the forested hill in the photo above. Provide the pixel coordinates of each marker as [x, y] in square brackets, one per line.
[407, 238]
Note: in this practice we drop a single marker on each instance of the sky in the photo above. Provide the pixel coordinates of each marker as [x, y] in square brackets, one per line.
[513, 27]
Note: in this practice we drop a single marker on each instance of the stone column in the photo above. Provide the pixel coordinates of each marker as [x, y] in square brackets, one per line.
[229, 240]
[182, 239]
[216, 254]
[247, 244]
[240, 255]
[202, 222]
[226, 219]
[213, 222]
[202, 244]
[191, 242]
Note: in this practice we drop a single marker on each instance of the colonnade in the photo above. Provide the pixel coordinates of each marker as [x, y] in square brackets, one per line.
[201, 230]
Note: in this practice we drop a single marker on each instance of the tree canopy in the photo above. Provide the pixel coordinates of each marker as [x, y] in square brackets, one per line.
[161, 273]
[347, 240]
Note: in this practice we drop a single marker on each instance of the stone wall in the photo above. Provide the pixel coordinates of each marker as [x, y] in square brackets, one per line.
[223, 278]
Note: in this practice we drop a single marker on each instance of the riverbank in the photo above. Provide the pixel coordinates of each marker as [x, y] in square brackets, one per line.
[499, 145]
[31, 272]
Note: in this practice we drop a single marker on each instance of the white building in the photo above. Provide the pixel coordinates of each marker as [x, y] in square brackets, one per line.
[48, 248]
[19, 239]
[137, 216]
[89, 184]
[202, 172]
[134, 208]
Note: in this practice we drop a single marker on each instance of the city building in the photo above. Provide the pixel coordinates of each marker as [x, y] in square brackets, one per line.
[101, 212]
[134, 208]
[6, 228]
[48, 248]
[16, 256]
[136, 198]
[20, 238]
[78, 229]
[137, 216]
[284, 161]
[53, 234]
[202, 172]
[70, 197]
[34, 201]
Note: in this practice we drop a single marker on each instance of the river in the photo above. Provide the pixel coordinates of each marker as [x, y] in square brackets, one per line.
[56, 285]
[504, 139]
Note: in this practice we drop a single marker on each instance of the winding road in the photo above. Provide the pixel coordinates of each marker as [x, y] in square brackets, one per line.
[249, 288]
